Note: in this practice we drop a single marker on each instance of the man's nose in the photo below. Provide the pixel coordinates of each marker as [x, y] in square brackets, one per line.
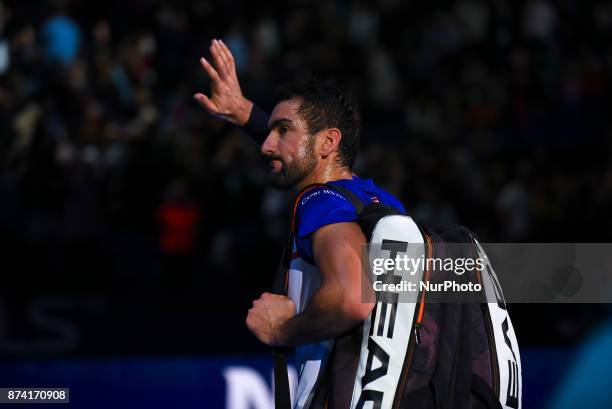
[267, 147]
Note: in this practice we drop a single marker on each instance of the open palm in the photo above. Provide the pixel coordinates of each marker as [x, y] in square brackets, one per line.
[226, 100]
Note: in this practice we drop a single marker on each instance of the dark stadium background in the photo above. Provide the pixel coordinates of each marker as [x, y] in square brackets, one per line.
[134, 227]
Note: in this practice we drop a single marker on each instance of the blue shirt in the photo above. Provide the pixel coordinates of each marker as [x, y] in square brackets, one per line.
[321, 206]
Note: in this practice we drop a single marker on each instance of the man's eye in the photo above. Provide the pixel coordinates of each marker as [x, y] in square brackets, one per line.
[282, 130]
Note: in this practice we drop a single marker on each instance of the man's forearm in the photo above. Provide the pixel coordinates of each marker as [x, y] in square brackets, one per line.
[257, 124]
[325, 317]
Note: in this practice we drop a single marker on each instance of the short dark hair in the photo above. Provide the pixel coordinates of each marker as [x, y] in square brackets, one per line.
[325, 104]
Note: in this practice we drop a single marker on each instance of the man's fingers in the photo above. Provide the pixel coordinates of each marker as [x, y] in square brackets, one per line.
[226, 62]
[219, 58]
[212, 73]
[228, 54]
[206, 103]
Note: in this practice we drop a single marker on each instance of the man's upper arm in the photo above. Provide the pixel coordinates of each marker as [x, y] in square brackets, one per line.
[337, 251]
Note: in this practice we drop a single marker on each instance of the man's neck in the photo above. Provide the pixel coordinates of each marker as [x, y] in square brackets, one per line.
[325, 175]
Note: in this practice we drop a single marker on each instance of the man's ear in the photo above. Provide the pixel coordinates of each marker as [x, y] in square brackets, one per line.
[330, 141]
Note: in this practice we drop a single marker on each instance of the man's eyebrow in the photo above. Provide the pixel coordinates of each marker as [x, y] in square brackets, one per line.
[278, 122]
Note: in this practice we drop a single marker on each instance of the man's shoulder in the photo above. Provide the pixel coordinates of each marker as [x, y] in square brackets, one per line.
[369, 192]
[319, 194]
[321, 205]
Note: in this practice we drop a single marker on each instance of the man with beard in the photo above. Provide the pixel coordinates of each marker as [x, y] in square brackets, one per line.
[311, 137]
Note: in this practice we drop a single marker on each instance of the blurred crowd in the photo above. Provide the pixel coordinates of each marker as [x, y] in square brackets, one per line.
[491, 114]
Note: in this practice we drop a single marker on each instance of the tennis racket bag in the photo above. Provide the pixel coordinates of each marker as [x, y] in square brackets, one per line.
[418, 354]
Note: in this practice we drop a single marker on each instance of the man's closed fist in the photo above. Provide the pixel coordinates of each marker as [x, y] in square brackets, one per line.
[267, 316]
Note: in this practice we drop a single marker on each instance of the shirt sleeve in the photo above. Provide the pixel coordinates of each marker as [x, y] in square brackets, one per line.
[257, 125]
[317, 208]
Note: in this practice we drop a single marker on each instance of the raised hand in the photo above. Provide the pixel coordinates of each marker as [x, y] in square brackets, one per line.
[226, 101]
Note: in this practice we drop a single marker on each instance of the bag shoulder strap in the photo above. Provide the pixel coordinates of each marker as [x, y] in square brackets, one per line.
[352, 197]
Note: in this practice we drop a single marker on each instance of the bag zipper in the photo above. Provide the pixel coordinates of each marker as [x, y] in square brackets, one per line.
[415, 338]
[422, 302]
